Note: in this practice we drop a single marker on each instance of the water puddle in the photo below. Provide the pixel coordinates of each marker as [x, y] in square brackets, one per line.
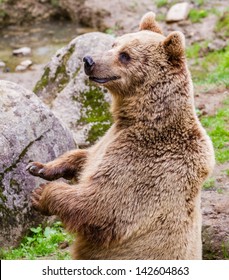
[43, 39]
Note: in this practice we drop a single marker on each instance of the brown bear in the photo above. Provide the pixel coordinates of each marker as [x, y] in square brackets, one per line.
[138, 189]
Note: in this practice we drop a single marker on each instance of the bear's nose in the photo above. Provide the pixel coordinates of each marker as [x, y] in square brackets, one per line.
[88, 64]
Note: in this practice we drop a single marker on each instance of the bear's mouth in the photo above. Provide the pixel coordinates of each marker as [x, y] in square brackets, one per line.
[104, 80]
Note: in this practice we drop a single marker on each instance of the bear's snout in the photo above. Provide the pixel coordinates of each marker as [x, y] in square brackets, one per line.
[88, 65]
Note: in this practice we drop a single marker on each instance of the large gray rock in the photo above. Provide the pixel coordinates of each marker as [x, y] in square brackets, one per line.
[64, 87]
[29, 132]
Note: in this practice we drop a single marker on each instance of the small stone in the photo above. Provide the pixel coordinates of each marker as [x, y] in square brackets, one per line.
[20, 68]
[2, 64]
[178, 12]
[22, 51]
[26, 63]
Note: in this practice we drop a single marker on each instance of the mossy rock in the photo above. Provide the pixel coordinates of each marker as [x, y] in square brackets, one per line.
[29, 132]
[65, 88]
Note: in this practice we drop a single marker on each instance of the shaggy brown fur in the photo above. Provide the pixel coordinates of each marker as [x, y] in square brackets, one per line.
[138, 190]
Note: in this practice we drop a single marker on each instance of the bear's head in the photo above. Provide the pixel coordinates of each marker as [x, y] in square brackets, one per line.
[147, 76]
[137, 58]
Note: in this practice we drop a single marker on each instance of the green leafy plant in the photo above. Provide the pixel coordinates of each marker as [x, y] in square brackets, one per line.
[40, 242]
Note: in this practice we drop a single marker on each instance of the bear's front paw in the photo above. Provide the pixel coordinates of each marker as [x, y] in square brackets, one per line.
[35, 168]
[41, 170]
[36, 198]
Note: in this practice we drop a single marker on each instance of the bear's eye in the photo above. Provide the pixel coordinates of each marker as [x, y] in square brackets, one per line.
[124, 57]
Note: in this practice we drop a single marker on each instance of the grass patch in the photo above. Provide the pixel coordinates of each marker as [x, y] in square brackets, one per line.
[225, 249]
[113, 30]
[216, 64]
[223, 24]
[160, 17]
[199, 2]
[209, 184]
[212, 68]
[197, 15]
[218, 129]
[219, 191]
[161, 3]
[40, 242]
[193, 51]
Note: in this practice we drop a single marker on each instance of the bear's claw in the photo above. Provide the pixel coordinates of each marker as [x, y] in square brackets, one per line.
[34, 168]
[43, 171]
[36, 199]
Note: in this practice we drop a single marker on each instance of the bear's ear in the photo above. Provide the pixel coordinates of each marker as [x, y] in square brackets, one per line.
[174, 45]
[148, 23]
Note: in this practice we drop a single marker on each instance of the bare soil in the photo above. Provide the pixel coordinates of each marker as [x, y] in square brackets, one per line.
[208, 101]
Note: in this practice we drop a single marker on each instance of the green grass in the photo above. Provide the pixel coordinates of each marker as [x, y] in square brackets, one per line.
[219, 191]
[161, 3]
[223, 24]
[199, 2]
[113, 30]
[218, 129]
[40, 243]
[209, 184]
[217, 66]
[160, 17]
[225, 249]
[197, 15]
[212, 68]
[194, 50]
